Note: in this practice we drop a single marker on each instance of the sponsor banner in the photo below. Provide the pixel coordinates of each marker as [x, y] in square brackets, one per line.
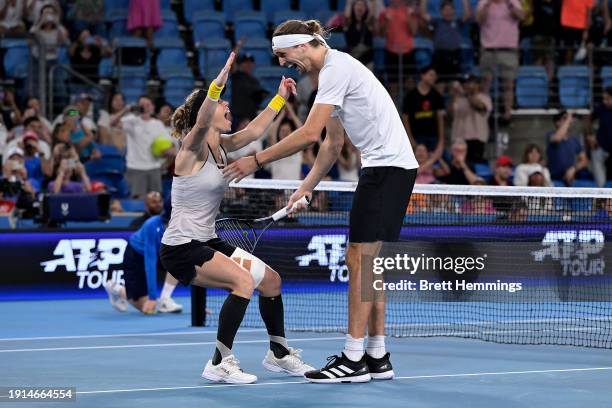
[76, 263]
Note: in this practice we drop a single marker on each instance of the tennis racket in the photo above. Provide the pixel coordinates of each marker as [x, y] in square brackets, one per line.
[243, 233]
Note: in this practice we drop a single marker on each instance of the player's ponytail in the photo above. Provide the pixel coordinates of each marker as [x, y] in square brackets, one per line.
[185, 116]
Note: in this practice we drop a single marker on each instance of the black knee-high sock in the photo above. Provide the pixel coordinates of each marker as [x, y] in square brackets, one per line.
[271, 309]
[231, 315]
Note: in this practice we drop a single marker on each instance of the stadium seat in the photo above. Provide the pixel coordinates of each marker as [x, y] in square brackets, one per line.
[311, 7]
[208, 25]
[232, 7]
[111, 7]
[16, 58]
[468, 58]
[132, 205]
[169, 28]
[337, 40]
[324, 16]
[483, 171]
[340, 5]
[261, 49]
[531, 87]
[249, 25]
[269, 78]
[109, 150]
[134, 82]
[574, 86]
[284, 15]
[179, 84]
[171, 55]
[191, 7]
[105, 69]
[423, 51]
[584, 183]
[270, 7]
[118, 24]
[165, 5]
[606, 77]
[379, 52]
[212, 53]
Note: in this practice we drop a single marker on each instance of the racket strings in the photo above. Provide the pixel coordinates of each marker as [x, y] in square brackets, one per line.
[237, 233]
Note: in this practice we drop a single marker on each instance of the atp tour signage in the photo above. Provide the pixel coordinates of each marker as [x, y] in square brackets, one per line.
[75, 264]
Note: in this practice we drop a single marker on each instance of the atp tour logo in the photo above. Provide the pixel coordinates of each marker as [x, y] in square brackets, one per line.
[577, 251]
[90, 259]
[327, 250]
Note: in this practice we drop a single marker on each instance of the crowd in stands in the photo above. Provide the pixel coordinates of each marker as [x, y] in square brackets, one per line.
[120, 141]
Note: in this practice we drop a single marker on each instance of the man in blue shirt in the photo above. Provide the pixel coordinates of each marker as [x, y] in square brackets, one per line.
[565, 153]
[601, 142]
[140, 271]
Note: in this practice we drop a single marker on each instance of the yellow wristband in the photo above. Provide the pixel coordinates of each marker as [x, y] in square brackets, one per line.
[214, 91]
[277, 103]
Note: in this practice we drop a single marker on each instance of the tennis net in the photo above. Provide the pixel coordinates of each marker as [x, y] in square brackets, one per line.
[544, 254]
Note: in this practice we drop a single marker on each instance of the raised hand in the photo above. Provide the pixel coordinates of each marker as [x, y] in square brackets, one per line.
[287, 87]
[224, 74]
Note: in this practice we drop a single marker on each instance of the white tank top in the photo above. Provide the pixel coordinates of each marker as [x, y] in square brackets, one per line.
[195, 203]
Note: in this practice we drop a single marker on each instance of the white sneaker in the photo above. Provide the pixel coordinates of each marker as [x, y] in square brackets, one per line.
[112, 289]
[168, 305]
[291, 364]
[228, 371]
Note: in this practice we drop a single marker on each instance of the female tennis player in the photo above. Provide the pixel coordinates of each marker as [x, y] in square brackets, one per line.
[191, 251]
[350, 98]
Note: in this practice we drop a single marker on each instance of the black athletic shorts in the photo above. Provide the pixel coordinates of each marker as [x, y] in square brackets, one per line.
[379, 204]
[134, 274]
[181, 260]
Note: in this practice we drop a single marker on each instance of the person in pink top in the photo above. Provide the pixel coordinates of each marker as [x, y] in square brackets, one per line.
[144, 17]
[398, 24]
[499, 40]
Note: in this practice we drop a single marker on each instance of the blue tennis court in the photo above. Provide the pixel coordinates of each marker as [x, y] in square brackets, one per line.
[117, 360]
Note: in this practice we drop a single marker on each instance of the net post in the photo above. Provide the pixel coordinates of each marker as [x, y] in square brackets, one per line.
[198, 306]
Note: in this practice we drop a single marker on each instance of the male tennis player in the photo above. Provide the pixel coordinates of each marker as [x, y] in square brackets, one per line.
[350, 97]
[191, 250]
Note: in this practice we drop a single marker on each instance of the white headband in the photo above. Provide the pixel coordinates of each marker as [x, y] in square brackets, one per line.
[291, 40]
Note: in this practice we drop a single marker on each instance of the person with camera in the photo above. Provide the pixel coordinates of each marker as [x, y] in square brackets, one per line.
[70, 176]
[15, 173]
[142, 128]
[36, 163]
[81, 136]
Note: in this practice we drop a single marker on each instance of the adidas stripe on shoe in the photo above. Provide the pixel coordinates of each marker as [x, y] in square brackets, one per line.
[339, 369]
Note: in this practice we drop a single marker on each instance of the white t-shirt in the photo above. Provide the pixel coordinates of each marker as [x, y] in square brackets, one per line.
[288, 168]
[366, 111]
[14, 14]
[140, 136]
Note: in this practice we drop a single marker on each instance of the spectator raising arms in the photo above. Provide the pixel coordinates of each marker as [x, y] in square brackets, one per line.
[86, 54]
[80, 136]
[575, 22]
[499, 38]
[470, 109]
[532, 163]
[447, 37]
[565, 153]
[143, 169]
[423, 113]
[109, 126]
[398, 24]
[14, 169]
[50, 32]
[290, 167]
[359, 30]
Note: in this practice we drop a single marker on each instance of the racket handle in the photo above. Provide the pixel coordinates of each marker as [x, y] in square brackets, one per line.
[283, 212]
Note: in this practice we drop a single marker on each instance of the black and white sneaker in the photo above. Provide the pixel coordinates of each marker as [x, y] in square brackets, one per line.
[380, 368]
[339, 369]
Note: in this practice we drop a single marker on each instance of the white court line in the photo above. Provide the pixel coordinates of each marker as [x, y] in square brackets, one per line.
[413, 377]
[101, 336]
[123, 346]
